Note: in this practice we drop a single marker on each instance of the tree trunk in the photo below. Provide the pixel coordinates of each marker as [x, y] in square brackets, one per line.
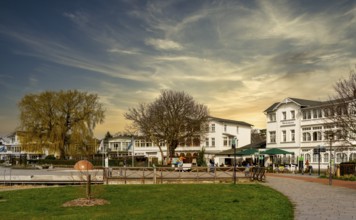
[62, 153]
[172, 148]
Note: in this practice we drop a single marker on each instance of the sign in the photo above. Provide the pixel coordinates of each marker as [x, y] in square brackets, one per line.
[319, 149]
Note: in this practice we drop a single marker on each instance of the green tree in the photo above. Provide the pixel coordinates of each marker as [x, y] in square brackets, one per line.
[172, 118]
[201, 158]
[61, 122]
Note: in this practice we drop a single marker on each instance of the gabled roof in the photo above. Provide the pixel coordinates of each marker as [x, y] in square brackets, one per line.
[230, 121]
[300, 102]
[304, 102]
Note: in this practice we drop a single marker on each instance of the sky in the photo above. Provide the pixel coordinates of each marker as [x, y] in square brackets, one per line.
[237, 57]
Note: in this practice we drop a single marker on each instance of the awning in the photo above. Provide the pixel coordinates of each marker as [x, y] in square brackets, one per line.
[275, 151]
[247, 152]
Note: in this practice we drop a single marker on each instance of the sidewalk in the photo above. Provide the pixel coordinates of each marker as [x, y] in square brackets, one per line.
[314, 198]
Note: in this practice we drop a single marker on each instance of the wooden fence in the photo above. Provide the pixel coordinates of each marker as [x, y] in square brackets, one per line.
[165, 175]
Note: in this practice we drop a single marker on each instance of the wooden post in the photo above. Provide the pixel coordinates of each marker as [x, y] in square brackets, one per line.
[154, 175]
[88, 186]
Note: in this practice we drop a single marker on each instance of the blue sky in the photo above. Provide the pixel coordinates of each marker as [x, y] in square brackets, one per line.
[237, 57]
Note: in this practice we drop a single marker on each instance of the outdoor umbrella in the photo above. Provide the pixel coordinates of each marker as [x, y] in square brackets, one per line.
[275, 151]
[247, 152]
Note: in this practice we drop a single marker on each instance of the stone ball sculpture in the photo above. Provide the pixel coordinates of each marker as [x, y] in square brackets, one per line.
[83, 165]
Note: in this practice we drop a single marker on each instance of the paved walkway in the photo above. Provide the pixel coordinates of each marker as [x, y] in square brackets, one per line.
[314, 199]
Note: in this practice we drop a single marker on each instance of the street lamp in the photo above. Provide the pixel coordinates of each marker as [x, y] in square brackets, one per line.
[234, 144]
[330, 173]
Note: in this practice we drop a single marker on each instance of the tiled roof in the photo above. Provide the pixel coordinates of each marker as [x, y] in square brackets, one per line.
[301, 102]
[230, 121]
[304, 102]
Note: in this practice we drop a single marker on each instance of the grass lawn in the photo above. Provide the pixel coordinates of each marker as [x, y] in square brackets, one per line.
[205, 201]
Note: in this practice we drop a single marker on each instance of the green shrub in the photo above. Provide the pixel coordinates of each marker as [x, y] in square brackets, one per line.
[50, 157]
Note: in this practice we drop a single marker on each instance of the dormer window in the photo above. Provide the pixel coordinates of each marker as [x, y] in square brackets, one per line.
[284, 115]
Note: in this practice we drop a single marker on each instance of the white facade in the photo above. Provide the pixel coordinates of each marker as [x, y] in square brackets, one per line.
[219, 138]
[299, 126]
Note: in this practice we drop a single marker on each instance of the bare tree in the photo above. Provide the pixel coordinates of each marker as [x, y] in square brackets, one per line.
[340, 110]
[62, 122]
[258, 135]
[172, 118]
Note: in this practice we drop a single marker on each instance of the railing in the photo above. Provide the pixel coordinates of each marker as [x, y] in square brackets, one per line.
[162, 175]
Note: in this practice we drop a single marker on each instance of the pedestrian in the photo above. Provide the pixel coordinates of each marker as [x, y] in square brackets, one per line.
[211, 162]
[307, 166]
[247, 170]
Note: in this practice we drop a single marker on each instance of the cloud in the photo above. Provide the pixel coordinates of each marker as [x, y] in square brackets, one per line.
[161, 44]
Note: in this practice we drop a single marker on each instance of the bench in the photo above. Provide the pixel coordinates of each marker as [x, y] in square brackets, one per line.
[184, 167]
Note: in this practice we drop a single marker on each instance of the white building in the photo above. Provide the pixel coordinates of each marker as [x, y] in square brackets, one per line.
[299, 126]
[219, 138]
[10, 146]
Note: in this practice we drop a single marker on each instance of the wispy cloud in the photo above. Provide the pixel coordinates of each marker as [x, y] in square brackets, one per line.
[161, 44]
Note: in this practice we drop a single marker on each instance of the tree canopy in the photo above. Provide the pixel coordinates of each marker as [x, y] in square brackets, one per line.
[60, 122]
[174, 117]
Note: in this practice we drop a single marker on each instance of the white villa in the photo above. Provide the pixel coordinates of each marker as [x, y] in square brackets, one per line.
[219, 138]
[299, 126]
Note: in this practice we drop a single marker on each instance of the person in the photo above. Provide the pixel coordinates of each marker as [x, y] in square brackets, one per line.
[211, 161]
[307, 166]
[247, 169]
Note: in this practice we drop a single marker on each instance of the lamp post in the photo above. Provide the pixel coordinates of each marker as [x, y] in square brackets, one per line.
[330, 172]
[234, 144]
[318, 151]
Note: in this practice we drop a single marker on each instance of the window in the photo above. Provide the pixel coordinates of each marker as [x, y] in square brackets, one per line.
[207, 142]
[284, 115]
[326, 157]
[341, 157]
[320, 113]
[292, 135]
[306, 136]
[212, 127]
[326, 112]
[315, 114]
[317, 136]
[225, 128]
[284, 136]
[315, 158]
[292, 114]
[306, 114]
[353, 156]
[307, 158]
[225, 141]
[212, 142]
[237, 129]
[272, 117]
[272, 136]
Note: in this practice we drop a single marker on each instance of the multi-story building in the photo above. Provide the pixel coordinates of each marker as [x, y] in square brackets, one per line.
[299, 126]
[219, 137]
